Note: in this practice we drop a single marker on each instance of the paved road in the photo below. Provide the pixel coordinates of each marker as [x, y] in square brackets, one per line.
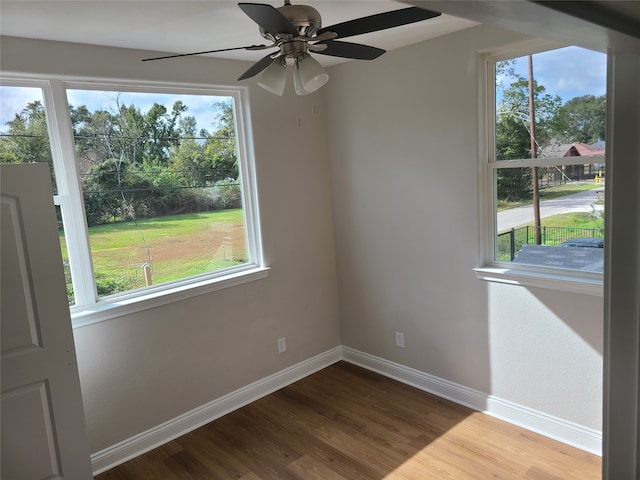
[578, 202]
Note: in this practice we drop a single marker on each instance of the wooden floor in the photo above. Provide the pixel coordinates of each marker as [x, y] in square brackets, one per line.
[348, 423]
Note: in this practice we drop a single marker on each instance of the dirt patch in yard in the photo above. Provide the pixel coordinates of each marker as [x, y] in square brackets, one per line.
[174, 257]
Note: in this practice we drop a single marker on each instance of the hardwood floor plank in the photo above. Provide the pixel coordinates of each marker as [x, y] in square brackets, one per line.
[187, 466]
[218, 460]
[253, 451]
[470, 462]
[347, 423]
[313, 469]
[319, 436]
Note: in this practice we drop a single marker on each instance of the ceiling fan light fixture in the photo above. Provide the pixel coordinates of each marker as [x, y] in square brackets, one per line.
[311, 75]
[297, 83]
[274, 78]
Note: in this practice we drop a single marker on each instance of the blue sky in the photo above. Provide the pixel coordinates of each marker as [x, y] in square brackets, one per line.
[568, 72]
[14, 99]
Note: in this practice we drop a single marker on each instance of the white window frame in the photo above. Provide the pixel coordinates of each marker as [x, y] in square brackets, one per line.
[489, 269]
[88, 307]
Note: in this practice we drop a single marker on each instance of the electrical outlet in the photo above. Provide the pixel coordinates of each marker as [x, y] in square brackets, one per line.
[400, 339]
[282, 345]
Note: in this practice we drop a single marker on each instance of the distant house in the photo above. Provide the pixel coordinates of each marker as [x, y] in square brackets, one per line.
[576, 149]
[586, 171]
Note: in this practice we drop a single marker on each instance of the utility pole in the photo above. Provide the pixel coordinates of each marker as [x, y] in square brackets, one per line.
[534, 154]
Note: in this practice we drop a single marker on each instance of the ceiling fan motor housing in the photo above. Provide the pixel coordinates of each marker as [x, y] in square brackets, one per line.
[305, 18]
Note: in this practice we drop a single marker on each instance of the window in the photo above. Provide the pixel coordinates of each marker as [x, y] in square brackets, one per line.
[545, 169]
[155, 188]
[24, 137]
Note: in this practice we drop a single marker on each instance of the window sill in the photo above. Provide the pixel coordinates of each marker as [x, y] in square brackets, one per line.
[120, 305]
[542, 278]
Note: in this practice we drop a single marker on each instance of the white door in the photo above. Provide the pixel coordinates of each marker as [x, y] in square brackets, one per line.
[43, 428]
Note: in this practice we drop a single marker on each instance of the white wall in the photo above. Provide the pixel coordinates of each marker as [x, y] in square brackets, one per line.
[621, 455]
[404, 161]
[146, 368]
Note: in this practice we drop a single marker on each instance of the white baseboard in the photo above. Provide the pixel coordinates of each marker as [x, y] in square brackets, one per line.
[567, 432]
[161, 434]
[564, 431]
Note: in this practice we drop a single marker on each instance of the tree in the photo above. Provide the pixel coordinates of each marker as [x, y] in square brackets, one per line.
[27, 139]
[129, 139]
[135, 163]
[513, 139]
[160, 132]
[125, 157]
[584, 118]
[221, 146]
[211, 157]
[512, 142]
[116, 189]
[93, 134]
[549, 120]
[187, 159]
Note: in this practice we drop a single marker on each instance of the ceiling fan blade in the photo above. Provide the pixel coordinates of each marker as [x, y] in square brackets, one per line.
[268, 18]
[250, 47]
[257, 67]
[350, 50]
[380, 21]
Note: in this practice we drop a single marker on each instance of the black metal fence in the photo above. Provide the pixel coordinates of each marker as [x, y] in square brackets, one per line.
[510, 242]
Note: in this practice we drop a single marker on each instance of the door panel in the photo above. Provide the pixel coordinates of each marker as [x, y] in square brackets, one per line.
[43, 428]
[34, 453]
[19, 328]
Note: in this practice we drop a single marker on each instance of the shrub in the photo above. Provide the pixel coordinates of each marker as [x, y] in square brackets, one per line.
[226, 194]
[109, 286]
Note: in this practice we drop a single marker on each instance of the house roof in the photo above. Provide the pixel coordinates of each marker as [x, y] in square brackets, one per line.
[574, 258]
[576, 149]
[580, 150]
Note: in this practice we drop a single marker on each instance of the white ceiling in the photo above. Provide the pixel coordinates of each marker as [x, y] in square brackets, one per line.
[182, 26]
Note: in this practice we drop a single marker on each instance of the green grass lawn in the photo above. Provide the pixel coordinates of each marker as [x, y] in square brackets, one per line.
[574, 220]
[551, 193]
[553, 234]
[174, 247]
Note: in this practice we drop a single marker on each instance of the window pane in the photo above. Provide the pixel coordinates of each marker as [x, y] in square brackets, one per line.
[568, 87]
[161, 184]
[24, 137]
[550, 107]
[65, 257]
[571, 229]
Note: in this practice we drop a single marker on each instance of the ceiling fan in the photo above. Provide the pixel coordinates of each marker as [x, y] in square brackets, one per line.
[296, 31]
